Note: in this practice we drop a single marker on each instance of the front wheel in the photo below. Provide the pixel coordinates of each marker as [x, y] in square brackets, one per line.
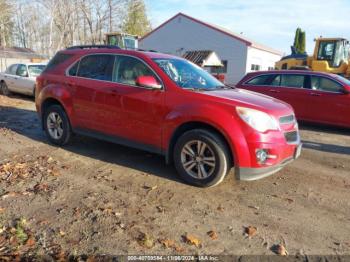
[56, 125]
[202, 158]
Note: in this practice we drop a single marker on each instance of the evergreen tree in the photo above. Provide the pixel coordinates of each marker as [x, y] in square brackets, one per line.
[302, 42]
[136, 21]
[299, 41]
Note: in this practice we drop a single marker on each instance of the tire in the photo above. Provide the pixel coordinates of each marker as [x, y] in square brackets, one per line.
[204, 169]
[56, 117]
[4, 89]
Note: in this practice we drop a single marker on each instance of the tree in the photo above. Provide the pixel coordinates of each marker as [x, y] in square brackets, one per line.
[302, 42]
[299, 41]
[136, 21]
[6, 23]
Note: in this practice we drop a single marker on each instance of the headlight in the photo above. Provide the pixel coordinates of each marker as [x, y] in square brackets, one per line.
[258, 120]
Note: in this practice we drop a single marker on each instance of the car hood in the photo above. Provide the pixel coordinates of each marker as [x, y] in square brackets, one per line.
[253, 100]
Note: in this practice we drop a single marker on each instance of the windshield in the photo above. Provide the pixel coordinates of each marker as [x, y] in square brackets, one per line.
[35, 70]
[188, 75]
[342, 79]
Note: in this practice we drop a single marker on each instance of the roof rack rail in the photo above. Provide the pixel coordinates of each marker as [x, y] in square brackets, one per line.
[93, 46]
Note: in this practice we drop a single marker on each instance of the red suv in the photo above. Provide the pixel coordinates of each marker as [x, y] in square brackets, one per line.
[315, 96]
[167, 105]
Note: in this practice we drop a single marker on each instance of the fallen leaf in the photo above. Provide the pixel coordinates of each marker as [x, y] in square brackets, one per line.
[2, 209]
[31, 242]
[191, 240]
[167, 243]
[280, 250]
[212, 234]
[146, 240]
[62, 233]
[251, 231]
[254, 207]
[41, 187]
[289, 200]
[10, 194]
[221, 208]
[150, 188]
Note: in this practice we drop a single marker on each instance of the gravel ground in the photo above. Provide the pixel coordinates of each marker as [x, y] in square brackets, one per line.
[93, 197]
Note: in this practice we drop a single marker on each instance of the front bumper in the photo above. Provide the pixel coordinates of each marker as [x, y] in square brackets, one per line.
[251, 174]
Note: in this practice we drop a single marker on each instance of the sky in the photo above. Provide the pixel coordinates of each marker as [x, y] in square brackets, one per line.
[269, 22]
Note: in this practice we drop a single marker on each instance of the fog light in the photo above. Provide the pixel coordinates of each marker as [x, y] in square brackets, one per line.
[261, 155]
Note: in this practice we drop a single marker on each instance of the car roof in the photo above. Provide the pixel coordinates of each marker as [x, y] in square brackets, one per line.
[142, 53]
[300, 72]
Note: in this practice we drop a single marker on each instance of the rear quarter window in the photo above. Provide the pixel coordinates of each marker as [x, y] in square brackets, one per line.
[58, 59]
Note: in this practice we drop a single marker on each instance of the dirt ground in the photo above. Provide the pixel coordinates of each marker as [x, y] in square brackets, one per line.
[94, 197]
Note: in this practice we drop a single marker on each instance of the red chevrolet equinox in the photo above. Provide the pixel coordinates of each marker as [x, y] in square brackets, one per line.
[167, 105]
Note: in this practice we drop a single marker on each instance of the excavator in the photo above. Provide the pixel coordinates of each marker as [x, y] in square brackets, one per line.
[122, 40]
[331, 55]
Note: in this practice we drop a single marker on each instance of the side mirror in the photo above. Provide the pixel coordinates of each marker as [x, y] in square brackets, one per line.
[148, 82]
[23, 74]
[346, 90]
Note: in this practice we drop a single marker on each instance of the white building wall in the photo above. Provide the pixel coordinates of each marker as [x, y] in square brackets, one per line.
[183, 34]
[260, 57]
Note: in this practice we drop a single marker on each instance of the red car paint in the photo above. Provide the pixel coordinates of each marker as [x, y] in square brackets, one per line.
[151, 117]
[311, 103]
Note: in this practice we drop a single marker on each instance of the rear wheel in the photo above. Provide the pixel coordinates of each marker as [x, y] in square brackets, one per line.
[4, 89]
[202, 158]
[56, 125]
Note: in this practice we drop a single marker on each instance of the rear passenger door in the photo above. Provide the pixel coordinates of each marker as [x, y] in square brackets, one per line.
[96, 101]
[328, 102]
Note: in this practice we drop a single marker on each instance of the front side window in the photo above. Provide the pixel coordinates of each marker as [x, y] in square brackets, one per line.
[296, 81]
[325, 84]
[128, 69]
[187, 75]
[22, 71]
[99, 67]
[35, 70]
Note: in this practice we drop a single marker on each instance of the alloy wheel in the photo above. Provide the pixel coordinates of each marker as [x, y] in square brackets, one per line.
[198, 159]
[55, 125]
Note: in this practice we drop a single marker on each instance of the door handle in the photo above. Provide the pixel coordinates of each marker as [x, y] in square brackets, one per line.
[114, 92]
[274, 91]
[314, 94]
[70, 83]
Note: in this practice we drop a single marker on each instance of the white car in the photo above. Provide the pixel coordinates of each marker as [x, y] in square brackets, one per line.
[20, 78]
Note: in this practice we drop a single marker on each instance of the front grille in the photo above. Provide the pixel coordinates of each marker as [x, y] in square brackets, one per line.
[287, 119]
[291, 137]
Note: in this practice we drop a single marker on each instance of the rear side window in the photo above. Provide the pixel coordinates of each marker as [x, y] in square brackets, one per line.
[259, 80]
[99, 67]
[325, 84]
[12, 70]
[59, 58]
[296, 81]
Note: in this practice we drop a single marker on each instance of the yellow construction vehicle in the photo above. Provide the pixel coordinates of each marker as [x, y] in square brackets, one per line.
[122, 40]
[331, 55]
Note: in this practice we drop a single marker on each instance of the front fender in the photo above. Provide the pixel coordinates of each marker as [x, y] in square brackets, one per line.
[221, 119]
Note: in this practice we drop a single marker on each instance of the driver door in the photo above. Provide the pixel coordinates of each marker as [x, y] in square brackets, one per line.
[143, 109]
